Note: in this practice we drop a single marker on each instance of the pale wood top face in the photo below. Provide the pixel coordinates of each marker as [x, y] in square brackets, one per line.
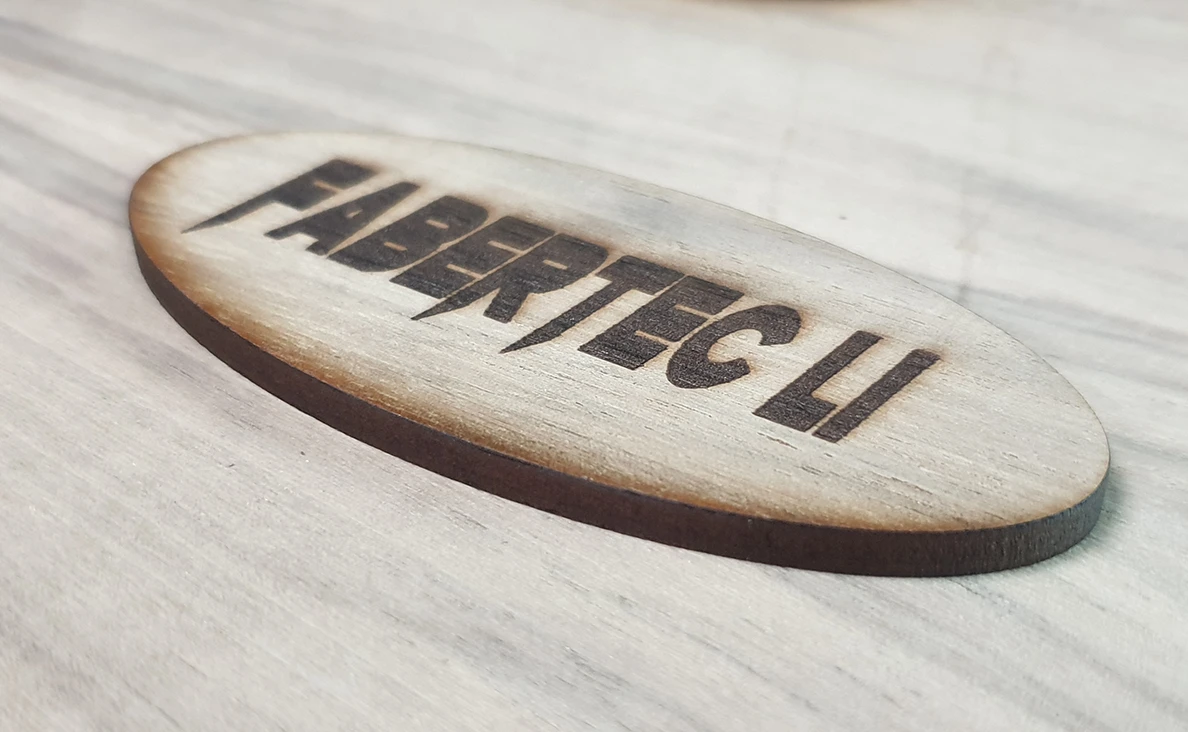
[981, 433]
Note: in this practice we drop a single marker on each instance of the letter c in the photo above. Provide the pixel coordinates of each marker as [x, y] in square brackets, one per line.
[691, 368]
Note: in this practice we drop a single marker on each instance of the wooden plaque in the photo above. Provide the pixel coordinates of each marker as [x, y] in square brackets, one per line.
[621, 354]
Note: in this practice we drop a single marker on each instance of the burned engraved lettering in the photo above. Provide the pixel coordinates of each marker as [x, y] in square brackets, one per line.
[795, 406]
[674, 314]
[307, 189]
[508, 258]
[878, 394]
[413, 237]
[333, 226]
[691, 368]
[558, 263]
[625, 274]
[473, 257]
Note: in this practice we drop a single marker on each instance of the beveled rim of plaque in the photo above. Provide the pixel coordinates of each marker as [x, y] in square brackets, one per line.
[778, 542]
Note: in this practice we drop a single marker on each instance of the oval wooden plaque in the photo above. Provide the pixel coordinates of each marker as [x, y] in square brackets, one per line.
[621, 354]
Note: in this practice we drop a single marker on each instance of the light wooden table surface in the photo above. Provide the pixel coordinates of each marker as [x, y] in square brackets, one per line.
[180, 550]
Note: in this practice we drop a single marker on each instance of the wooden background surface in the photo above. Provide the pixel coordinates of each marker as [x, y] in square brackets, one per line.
[179, 550]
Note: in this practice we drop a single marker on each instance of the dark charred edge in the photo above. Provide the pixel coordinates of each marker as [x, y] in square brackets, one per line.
[769, 541]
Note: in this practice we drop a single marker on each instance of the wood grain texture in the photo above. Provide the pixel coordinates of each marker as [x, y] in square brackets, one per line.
[485, 322]
[183, 551]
